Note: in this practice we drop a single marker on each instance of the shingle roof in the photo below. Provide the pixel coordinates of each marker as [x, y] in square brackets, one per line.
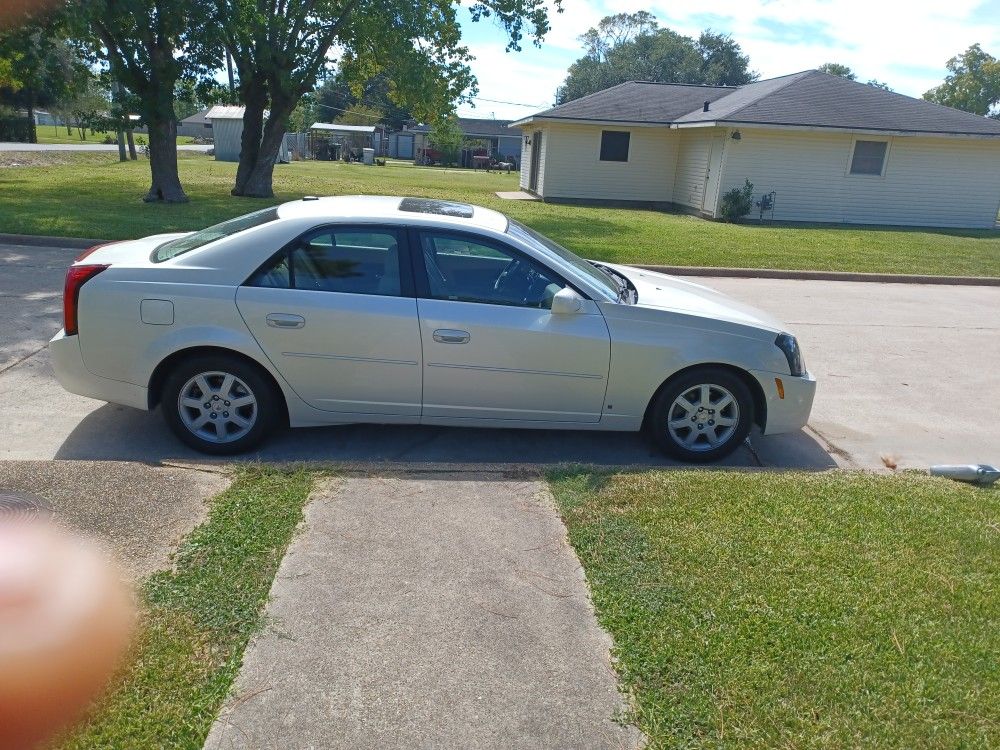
[486, 127]
[198, 118]
[807, 99]
[638, 101]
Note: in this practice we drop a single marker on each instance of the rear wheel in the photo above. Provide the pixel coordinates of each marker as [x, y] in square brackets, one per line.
[703, 415]
[219, 404]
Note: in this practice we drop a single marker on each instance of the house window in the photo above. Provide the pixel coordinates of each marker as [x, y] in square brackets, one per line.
[869, 157]
[614, 145]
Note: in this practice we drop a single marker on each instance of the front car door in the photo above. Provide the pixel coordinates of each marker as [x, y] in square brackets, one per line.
[334, 313]
[492, 350]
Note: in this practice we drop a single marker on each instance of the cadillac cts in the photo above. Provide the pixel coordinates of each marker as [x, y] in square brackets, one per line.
[412, 311]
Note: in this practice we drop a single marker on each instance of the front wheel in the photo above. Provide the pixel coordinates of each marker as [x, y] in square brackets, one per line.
[703, 415]
[219, 404]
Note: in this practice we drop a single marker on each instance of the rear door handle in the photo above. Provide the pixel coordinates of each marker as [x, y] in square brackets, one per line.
[451, 336]
[284, 320]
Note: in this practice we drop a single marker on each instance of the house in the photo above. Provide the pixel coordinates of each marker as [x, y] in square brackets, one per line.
[227, 132]
[830, 149]
[496, 137]
[196, 126]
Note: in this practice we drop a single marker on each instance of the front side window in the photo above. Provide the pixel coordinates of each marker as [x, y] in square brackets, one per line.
[193, 241]
[463, 269]
[352, 261]
[869, 157]
[614, 145]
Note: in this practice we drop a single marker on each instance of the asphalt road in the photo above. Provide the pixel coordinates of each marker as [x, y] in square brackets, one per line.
[905, 371]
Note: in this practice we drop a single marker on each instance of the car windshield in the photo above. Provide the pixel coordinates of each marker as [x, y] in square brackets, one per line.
[181, 245]
[544, 244]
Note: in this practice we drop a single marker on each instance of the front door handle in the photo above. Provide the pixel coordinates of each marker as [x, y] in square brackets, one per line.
[284, 320]
[451, 336]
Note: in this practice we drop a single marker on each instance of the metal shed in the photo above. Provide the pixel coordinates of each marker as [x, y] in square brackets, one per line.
[227, 130]
[333, 141]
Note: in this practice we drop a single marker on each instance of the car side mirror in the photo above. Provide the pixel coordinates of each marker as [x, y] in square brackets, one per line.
[566, 302]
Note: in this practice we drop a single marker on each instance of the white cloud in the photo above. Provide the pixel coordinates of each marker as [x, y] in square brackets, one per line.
[902, 42]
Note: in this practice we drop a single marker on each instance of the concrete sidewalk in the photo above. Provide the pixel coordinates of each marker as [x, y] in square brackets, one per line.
[425, 611]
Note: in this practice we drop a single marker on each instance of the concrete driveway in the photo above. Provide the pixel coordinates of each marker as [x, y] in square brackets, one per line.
[897, 366]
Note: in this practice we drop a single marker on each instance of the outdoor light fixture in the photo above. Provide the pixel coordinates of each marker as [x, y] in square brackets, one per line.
[736, 135]
[527, 140]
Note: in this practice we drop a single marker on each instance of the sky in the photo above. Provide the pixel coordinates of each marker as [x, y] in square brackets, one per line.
[902, 43]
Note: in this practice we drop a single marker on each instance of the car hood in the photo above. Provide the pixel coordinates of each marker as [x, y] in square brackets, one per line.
[662, 292]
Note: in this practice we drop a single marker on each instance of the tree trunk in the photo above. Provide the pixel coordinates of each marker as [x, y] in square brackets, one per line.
[259, 183]
[166, 184]
[33, 134]
[131, 145]
[253, 131]
[122, 156]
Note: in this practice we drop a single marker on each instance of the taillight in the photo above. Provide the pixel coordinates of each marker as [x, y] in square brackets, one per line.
[76, 277]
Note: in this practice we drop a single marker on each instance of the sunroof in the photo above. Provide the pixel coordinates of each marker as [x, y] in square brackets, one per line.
[430, 206]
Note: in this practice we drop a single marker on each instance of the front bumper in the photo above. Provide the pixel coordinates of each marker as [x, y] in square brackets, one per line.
[73, 375]
[790, 413]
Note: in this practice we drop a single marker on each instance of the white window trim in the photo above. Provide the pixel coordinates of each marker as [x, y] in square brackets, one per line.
[887, 140]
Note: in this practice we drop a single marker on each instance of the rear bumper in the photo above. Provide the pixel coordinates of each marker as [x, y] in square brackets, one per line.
[790, 413]
[73, 375]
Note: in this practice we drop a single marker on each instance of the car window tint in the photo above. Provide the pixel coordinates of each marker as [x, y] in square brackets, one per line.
[462, 269]
[341, 260]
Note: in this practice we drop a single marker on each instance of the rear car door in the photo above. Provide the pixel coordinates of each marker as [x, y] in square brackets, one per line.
[491, 347]
[335, 314]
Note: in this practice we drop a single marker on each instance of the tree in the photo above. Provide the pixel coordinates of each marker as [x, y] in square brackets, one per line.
[972, 84]
[280, 48]
[148, 46]
[880, 85]
[446, 136]
[614, 31]
[837, 69]
[39, 68]
[632, 47]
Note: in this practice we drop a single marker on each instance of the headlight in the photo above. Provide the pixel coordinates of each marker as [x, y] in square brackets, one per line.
[790, 348]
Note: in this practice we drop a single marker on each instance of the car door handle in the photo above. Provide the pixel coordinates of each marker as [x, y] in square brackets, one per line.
[284, 320]
[451, 336]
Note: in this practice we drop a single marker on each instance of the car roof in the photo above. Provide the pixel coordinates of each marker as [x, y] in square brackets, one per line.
[395, 208]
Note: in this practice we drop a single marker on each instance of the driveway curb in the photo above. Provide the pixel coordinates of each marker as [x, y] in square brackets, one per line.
[769, 273]
[736, 273]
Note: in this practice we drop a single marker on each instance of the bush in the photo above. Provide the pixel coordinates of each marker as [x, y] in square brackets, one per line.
[737, 203]
[17, 129]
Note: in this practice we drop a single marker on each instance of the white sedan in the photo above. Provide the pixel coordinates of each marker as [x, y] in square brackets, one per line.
[414, 311]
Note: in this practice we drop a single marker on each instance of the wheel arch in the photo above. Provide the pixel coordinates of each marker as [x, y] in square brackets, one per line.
[759, 400]
[162, 369]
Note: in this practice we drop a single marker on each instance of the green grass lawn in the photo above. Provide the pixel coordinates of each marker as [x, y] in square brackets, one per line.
[102, 201]
[57, 134]
[759, 610]
[198, 618]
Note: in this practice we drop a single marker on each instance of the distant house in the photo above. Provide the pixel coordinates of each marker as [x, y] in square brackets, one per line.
[498, 139]
[227, 132]
[830, 149]
[196, 126]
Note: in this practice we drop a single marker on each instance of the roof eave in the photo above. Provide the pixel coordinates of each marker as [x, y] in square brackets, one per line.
[836, 129]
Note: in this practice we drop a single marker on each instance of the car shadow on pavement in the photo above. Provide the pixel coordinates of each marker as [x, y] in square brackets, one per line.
[119, 433]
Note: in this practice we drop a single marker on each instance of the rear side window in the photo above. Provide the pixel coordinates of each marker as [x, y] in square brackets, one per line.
[352, 261]
[182, 245]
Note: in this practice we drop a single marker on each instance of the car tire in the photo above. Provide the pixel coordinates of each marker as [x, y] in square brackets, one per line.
[702, 416]
[219, 404]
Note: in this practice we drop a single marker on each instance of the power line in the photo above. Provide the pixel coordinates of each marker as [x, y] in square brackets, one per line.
[515, 104]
